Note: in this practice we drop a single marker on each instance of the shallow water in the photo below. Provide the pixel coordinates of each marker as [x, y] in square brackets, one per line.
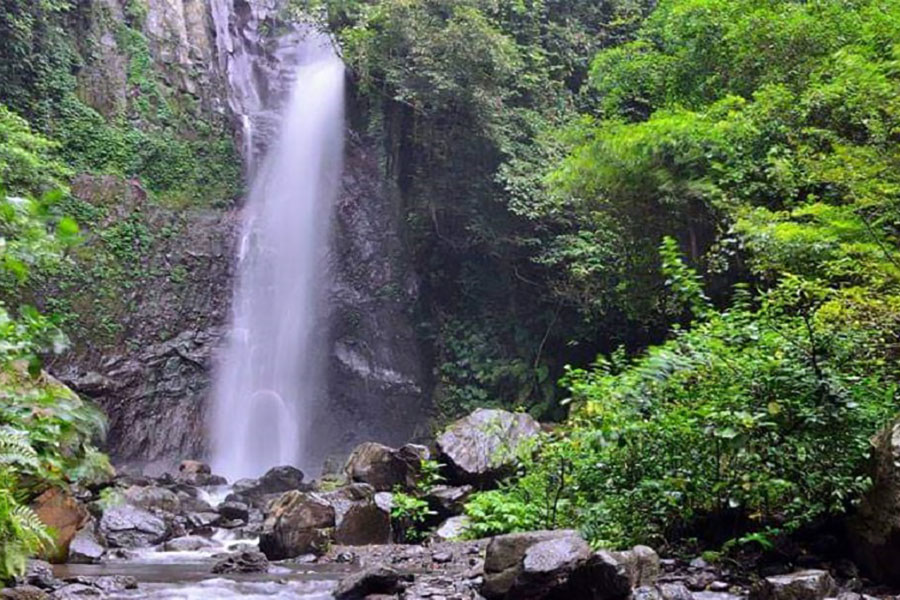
[187, 576]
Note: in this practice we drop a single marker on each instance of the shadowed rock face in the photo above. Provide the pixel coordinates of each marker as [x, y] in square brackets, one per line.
[152, 376]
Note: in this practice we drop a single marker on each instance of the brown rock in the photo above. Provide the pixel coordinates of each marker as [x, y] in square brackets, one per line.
[58, 510]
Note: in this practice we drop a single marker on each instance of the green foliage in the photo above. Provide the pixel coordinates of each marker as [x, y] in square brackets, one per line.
[409, 513]
[409, 510]
[46, 431]
[764, 412]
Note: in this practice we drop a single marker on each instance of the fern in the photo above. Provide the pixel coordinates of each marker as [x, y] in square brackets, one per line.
[16, 449]
[21, 534]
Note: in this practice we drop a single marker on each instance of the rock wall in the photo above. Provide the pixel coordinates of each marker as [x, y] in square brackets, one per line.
[147, 349]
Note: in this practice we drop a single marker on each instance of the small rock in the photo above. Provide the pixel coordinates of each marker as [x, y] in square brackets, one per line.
[39, 573]
[150, 498]
[203, 520]
[442, 557]
[451, 529]
[802, 585]
[188, 543]
[23, 592]
[242, 562]
[85, 548]
[376, 580]
[106, 583]
[718, 586]
[641, 563]
[73, 591]
[234, 510]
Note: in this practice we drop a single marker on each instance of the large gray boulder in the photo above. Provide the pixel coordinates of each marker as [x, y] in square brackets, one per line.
[127, 526]
[297, 523]
[383, 467]
[553, 565]
[802, 585]
[874, 530]
[480, 449]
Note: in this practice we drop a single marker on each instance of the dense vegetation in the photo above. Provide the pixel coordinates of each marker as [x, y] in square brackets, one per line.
[717, 179]
[671, 226]
[46, 431]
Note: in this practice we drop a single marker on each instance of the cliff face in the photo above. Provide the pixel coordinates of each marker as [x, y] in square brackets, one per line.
[150, 298]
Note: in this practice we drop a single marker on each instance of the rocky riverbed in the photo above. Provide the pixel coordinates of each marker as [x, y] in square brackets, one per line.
[191, 534]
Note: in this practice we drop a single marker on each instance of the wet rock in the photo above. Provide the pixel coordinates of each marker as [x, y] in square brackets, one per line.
[23, 592]
[480, 449]
[234, 511]
[188, 543]
[242, 562]
[153, 498]
[73, 591]
[203, 520]
[802, 585]
[442, 557]
[448, 501]
[38, 573]
[451, 529]
[85, 548]
[372, 581]
[107, 584]
[279, 479]
[383, 467]
[194, 472]
[62, 513]
[875, 528]
[666, 591]
[297, 523]
[127, 526]
[641, 564]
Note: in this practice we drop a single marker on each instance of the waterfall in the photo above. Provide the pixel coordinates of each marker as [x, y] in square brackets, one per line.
[269, 376]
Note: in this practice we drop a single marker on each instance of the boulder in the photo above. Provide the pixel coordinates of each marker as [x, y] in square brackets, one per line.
[451, 529]
[153, 498]
[504, 555]
[62, 513]
[85, 548]
[385, 468]
[297, 523]
[448, 501]
[480, 449]
[359, 520]
[370, 582]
[802, 585]
[242, 562]
[551, 564]
[874, 530]
[126, 526]
[277, 480]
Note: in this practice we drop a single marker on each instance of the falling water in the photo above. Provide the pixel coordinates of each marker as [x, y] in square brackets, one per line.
[269, 377]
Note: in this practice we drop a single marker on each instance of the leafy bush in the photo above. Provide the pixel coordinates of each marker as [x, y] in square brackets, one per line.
[762, 412]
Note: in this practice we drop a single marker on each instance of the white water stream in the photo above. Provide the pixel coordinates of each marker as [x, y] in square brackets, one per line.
[269, 377]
